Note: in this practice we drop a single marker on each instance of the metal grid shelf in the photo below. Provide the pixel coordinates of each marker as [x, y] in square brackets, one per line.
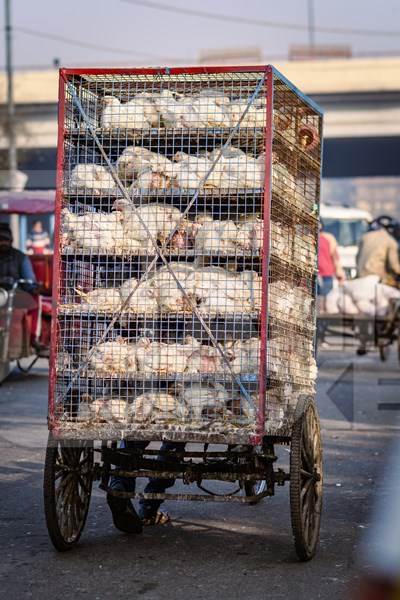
[162, 136]
[125, 377]
[69, 312]
[220, 200]
[75, 378]
[74, 310]
[165, 194]
[100, 255]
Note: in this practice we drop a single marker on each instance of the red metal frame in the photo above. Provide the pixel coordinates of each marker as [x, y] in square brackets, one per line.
[269, 71]
[164, 70]
[265, 254]
[56, 262]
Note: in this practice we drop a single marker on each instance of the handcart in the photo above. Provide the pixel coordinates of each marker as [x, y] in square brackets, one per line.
[184, 301]
[371, 333]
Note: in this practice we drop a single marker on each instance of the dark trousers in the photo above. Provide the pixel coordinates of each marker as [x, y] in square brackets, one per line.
[148, 508]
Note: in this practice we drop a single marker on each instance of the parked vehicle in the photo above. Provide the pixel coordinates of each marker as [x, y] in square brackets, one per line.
[15, 303]
[347, 225]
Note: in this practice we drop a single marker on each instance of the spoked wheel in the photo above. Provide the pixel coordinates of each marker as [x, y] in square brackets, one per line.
[306, 479]
[68, 478]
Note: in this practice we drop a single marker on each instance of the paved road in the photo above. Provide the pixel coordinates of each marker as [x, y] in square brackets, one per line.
[210, 551]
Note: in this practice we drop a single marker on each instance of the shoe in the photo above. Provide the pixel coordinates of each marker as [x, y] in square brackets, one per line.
[41, 350]
[125, 517]
[160, 518]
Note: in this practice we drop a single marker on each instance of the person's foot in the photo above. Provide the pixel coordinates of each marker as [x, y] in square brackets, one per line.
[40, 349]
[160, 518]
[125, 517]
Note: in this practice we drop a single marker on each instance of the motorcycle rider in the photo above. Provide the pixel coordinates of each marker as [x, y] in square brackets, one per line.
[15, 265]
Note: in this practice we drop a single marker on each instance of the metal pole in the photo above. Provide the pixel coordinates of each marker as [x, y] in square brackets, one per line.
[311, 25]
[12, 147]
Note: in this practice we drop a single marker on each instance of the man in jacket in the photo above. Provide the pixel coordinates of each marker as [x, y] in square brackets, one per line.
[14, 264]
[378, 254]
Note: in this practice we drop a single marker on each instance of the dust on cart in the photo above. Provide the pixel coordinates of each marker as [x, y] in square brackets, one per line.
[185, 275]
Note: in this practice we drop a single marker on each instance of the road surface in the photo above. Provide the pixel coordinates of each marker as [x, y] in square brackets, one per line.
[209, 551]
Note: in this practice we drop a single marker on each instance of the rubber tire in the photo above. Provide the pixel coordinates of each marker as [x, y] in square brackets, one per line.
[304, 551]
[49, 501]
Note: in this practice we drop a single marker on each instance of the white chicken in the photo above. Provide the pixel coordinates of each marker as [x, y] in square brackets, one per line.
[150, 112]
[155, 406]
[190, 171]
[147, 179]
[281, 240]
[206, 359]
[92, 178]
[243, 172]
[136, 114]
[136, 160]
[281, 299]
[221, 291]
[215, 236]
[111, 410]
[115, 357]
[278, 358]
[244, 355]
[160, 220]
[169, 295]
[169, 108]
[211, 110]
[197, 111]
[142, 300]
[92, 231]
[255, 117]
[253, 282]
[283, 182]
[100, 299]
[200, 397]
[250, 234]
[163, 359]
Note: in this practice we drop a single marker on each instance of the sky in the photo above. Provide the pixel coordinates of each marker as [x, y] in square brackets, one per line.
[137, 34]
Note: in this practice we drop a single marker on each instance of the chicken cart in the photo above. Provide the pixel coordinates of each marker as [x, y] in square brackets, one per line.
[184, 304]
[371, 333]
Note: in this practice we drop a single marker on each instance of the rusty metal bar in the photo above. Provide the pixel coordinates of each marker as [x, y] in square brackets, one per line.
[232, 477]
[189, 497]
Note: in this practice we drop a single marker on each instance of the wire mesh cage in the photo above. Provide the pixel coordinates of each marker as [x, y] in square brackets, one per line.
[185, 259]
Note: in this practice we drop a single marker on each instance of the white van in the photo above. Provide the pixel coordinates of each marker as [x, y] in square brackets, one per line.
[347, 225]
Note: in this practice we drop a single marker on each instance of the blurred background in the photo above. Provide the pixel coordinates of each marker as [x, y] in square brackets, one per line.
[345, 55]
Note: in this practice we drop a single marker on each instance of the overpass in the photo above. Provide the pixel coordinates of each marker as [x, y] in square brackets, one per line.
[361, 99]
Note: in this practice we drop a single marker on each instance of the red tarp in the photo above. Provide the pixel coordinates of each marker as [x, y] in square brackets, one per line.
[28, 202]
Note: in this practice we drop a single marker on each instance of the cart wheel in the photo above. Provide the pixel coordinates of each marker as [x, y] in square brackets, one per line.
[306, 479]
[68, 477]
[252, 488]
